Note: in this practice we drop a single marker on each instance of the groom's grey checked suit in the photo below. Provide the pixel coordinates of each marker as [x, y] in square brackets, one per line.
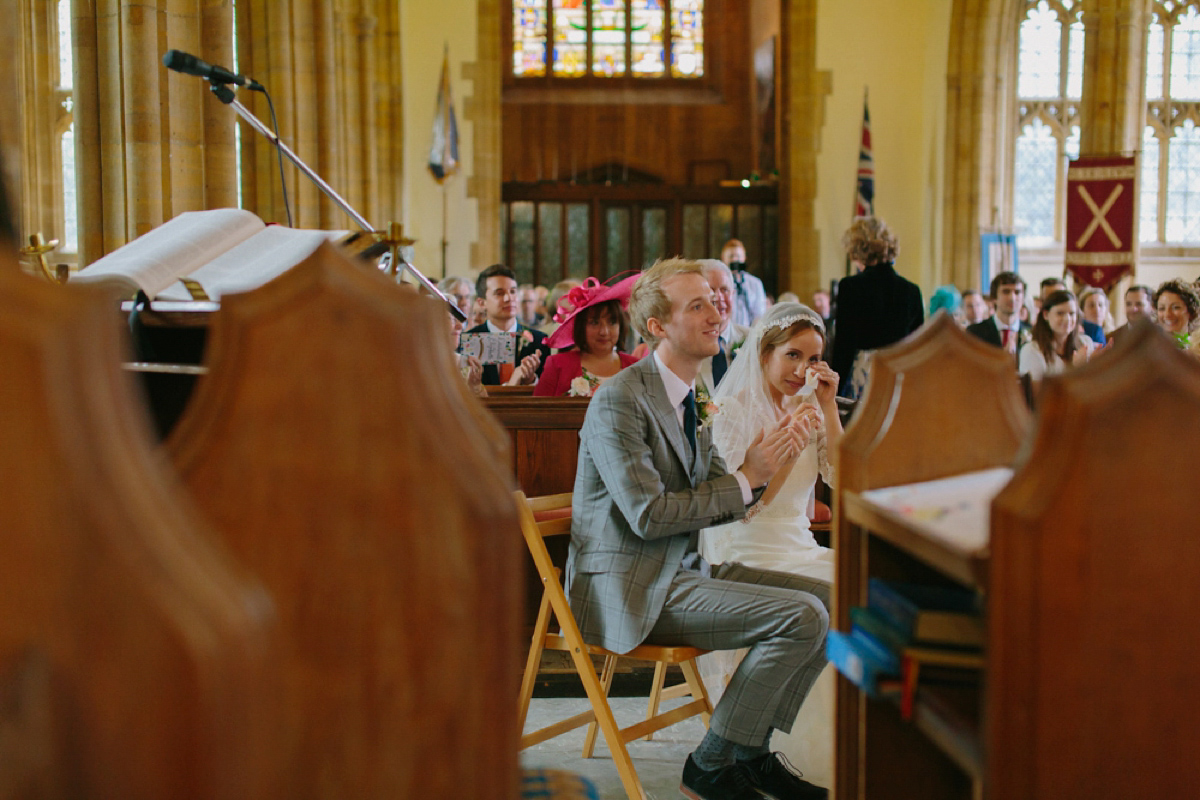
[641, 497]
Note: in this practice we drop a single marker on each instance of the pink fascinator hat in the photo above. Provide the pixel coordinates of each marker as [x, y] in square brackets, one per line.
[581, 298]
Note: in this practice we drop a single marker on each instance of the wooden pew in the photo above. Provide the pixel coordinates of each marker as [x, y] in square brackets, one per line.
[336, 450]
[1087, 565]
[1094, 652]
[136, 657]
[940, 403]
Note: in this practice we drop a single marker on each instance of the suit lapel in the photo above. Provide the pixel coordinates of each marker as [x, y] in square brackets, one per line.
[664, 413]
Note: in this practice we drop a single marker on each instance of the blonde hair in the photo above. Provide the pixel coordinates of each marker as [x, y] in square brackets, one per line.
[649, 301]
[869, 241]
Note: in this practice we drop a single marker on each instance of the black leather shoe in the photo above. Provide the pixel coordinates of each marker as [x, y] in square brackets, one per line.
[778, 780]
[727, 783]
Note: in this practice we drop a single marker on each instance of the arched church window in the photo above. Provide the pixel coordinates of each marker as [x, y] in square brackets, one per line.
[1170, 211]
[1049, 88]
[608, 39]
[65, 131]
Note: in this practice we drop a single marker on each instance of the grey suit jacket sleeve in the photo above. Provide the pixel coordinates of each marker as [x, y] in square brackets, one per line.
[622, 438]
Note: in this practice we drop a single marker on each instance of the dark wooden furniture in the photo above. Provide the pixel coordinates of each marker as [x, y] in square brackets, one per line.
[1088, 565]
[544, 432]
[940, 403]
[135, 654]
[1094, 583]
[362, 487]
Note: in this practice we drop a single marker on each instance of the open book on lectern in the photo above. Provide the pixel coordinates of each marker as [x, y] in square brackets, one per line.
[218, 252]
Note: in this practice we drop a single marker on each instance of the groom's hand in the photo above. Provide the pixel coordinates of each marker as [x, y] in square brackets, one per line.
[770, 451]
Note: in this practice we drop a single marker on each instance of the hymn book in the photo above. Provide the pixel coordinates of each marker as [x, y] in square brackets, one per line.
[221, 251]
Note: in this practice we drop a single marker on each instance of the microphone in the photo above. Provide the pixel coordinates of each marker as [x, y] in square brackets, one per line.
[189, 64]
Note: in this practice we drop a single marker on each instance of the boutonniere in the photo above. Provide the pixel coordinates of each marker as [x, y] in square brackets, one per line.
[734, 347]
[706, 409]
[1025, 336]
[584, 386]
[527, 335]
[1183, 339]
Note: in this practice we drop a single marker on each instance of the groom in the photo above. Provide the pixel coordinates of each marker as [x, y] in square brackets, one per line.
[648, 480]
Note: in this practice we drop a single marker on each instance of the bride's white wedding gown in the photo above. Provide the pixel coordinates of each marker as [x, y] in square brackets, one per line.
[778, 538]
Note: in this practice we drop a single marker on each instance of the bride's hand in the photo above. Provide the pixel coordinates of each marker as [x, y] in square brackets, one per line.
[804, 422]
[770, 451]
[827, 385]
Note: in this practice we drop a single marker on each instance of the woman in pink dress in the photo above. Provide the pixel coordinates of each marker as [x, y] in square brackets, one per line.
[596, 327]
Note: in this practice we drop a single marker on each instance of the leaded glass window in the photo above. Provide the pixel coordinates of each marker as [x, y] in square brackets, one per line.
[1049, 88]
[1170, 211]
[65, 125]
[608, 38]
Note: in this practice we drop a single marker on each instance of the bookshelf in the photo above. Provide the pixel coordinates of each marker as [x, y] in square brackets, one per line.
[1085, 555]
[941, 405]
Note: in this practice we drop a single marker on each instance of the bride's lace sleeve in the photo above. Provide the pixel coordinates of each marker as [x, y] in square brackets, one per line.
[734, 428]
[824, 465]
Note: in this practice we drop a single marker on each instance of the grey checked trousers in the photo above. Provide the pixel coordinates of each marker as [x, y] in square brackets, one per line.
[781, 618]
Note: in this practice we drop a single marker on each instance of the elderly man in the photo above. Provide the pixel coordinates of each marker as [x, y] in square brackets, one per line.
[720, 278]
[974, 307]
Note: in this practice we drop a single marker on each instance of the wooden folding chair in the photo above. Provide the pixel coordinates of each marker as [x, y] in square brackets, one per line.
[542, 517]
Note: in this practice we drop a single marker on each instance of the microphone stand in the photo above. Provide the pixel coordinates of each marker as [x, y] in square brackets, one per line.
[226, 96]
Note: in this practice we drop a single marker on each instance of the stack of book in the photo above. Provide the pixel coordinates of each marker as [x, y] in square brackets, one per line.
[907, 627]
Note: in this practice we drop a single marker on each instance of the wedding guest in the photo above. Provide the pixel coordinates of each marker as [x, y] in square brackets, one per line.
[975, 309]
[497, 285]
[947, 298]
[595, 327]
[1178, 306]
[468, 366]
[750, 298]
[875, 308]
[1057, 341]
[721, 279]
[556, 302]
[1139, 304]
[1093, 305]
[1093, 331]
[460, 290]
[1005, 328]
[528, 313]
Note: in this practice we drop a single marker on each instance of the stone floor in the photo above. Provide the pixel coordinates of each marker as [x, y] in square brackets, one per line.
[659, 763]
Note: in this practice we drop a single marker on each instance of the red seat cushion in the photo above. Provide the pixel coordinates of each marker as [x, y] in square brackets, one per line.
[821, 513]
[552, 513]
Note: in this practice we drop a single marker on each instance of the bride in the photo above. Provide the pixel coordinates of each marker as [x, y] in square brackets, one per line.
[777, 372]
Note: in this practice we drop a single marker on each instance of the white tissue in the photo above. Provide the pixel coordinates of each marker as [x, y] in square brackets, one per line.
[811, 381]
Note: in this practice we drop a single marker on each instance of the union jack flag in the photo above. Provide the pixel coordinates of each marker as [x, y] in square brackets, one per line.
[864, 201]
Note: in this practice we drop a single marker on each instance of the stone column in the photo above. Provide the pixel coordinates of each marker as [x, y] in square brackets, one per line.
[482, 110]
[1114, 92]
[149, 144]
[804, 91]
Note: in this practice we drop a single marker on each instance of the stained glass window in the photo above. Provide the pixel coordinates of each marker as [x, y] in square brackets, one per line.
[1049, 87]
[529, 37]
[608, 38]
[1170, 212]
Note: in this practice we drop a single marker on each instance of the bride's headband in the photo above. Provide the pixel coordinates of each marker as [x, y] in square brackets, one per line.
[803, 313]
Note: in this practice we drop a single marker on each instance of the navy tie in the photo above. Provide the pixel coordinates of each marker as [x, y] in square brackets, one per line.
[719, 364]
[689, 419]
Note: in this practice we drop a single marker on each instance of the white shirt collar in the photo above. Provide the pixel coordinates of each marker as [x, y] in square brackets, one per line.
[1016, 325]
[494, 329]
[677, 389]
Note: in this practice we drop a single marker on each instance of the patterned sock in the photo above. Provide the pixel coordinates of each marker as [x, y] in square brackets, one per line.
[714, 752]
[745, 752]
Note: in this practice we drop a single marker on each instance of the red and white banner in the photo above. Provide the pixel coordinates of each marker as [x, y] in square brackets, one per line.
[1101, 218]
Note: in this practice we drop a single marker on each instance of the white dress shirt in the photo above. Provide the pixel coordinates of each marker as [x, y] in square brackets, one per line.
[677, 392]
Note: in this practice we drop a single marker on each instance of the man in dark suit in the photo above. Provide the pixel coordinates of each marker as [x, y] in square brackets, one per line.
[497, 285]
[1005, 328]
